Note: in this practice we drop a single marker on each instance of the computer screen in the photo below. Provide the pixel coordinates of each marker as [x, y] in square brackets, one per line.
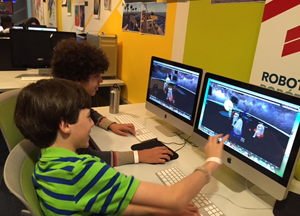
[173, 91]
[5, 54]
[263, 126]
[17, 27]
[41, 28]
[33, 49]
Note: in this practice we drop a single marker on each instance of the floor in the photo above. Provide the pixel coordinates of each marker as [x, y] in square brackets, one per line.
[9, 204]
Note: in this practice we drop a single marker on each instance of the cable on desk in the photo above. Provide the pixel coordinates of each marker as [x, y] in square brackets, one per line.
[243, 207]
[175, 143]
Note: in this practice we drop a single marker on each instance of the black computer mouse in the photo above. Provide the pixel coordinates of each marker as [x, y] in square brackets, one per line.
[151, 144]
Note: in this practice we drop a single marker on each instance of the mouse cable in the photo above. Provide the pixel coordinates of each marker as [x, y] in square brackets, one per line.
[175, 143]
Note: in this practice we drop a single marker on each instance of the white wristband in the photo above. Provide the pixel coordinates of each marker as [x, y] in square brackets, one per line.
[136, 157]
[214, 159]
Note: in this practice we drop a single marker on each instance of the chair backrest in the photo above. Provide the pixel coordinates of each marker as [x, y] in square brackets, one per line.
[17, 174]
[297, 173]
[11, 133]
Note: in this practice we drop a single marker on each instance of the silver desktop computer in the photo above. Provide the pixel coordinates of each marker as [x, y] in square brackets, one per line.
[109, 44]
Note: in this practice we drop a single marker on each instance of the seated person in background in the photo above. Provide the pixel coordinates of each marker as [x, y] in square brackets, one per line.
[32, 21]
[6, 23]
[55, 115]
[84, 64]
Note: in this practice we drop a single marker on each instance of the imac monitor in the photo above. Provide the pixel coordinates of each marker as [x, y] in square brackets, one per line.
[173, 92]
[263, 126]
[33, 49]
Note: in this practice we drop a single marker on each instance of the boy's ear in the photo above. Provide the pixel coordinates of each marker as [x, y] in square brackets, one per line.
[65, 127]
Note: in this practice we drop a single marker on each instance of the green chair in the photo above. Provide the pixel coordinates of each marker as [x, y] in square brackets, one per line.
[17, 175]
[11, 133]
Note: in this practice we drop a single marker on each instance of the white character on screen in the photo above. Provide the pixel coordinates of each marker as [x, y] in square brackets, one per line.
[259, 131]
[235, 118]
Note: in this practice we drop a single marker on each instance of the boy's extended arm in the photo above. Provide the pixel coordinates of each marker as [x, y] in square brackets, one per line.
[137, 210]
[175, 197]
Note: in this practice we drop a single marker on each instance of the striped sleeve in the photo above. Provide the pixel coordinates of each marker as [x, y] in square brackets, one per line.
[82, 186]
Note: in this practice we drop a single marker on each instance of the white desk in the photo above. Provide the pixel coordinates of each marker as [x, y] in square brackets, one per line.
[231, 186]
[8, 80]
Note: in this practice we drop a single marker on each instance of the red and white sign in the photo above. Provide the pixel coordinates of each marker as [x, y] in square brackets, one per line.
[277, 59]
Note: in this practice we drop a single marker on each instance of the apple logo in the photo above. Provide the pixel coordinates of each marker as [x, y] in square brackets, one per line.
[229, 160]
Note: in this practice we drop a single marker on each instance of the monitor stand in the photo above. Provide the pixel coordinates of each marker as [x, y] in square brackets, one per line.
[166, 129]
[36, 72]
[44, 71]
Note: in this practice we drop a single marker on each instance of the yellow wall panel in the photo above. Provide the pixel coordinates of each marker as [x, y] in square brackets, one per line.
[222, 38]
[135, 51]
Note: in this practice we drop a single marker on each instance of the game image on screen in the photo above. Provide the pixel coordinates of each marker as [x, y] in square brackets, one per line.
[261, 128]
[174, 88]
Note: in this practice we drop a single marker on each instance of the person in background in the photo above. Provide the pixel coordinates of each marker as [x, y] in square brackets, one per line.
[32, 21]
[6, 23]
[83, 63]
[55, 115]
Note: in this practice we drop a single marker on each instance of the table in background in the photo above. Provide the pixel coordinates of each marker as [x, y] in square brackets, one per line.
[225, 184]
[12, 80]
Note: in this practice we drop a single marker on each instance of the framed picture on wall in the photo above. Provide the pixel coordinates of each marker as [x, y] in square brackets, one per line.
[107, 4]
[79, 16]
[69, 6]
[6, 7]
[96, 9]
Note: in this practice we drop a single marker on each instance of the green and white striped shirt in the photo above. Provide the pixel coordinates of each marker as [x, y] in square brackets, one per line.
[71, 184]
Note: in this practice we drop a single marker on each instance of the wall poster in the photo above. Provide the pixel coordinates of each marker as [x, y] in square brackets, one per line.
[276, 63]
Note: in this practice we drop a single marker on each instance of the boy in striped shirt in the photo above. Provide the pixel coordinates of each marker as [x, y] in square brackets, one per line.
[55, 115]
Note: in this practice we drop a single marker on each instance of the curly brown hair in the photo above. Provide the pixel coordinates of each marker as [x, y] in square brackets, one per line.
[77, 61]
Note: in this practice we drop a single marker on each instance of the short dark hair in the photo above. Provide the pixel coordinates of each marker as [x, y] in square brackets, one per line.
[6, 21]
[41, 107]
[32, 21]
[77, 61]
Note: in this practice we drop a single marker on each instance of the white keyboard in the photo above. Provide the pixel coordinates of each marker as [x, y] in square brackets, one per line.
[205, 206]
[34, 78]
[141, 132]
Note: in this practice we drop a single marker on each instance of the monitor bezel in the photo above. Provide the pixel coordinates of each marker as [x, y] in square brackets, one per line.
[166, 112]
[284, 181]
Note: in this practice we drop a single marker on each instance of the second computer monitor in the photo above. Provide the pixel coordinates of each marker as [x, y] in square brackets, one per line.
[173, 91]
[33, 49]
[263, 126]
